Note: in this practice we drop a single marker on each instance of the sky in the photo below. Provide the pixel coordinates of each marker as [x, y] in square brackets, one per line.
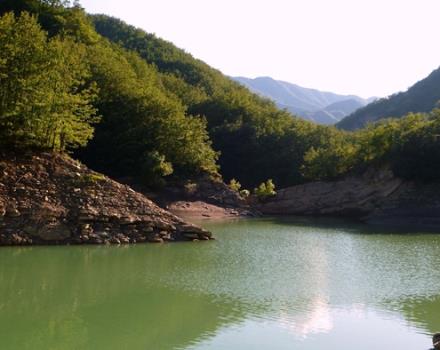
[363, 47]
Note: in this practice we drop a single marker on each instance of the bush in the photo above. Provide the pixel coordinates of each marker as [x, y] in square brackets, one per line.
[265, 190]
[154, 168]
[234, 185]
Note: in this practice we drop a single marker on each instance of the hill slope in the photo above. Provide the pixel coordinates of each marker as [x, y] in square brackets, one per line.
[162, 115]
[421, 97]
[255, 139]
[310, 104]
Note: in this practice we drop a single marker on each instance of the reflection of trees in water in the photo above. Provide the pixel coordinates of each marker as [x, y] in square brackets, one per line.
[100, 298]
[423, 313]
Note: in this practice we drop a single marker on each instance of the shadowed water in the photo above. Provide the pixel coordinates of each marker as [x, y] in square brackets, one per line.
[265, 283]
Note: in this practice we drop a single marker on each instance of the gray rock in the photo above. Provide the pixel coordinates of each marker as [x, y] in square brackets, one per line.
[376, 197]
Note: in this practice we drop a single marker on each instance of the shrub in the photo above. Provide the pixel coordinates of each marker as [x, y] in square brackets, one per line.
[234, 185]
[265, 190]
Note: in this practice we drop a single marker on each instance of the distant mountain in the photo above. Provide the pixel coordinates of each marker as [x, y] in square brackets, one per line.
[421, 97]
[311, 104]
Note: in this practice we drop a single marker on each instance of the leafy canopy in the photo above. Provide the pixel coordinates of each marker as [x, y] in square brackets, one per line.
[44, 100]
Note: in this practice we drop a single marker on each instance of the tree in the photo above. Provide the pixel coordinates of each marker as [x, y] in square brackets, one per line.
[144, 130]
[265, 190]
[44, 101]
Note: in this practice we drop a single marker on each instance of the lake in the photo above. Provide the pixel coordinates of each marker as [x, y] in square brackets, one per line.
[272, 283]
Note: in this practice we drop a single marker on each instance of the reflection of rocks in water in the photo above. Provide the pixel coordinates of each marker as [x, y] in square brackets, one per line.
[100, 298]
[423, 313]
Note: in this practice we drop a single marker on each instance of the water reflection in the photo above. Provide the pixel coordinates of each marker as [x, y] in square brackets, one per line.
[423, 313]
[93, 297]
[263, 284]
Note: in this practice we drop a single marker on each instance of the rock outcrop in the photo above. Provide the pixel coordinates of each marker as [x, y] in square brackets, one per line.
[375, 197]
[50, 198]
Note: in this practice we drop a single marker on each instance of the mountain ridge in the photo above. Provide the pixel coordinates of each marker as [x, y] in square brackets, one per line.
[308, 103]
[423, 96]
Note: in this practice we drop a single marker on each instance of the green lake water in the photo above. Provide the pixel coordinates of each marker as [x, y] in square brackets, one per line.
[263, 284]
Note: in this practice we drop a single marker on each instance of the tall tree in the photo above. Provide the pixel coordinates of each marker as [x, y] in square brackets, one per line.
[43, 98]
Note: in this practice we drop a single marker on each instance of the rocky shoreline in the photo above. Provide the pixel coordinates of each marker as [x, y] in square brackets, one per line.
[375, 197]
[49, 198]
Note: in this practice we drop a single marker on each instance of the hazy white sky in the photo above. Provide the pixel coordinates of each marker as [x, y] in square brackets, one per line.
[364, 47]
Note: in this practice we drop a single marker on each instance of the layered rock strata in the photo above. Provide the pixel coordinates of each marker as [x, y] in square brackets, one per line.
[50, 198]
[375, 197]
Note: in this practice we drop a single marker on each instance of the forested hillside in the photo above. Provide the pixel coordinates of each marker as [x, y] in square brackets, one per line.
[255, 139]
[55, 84]
[421, 97]
[131, 104]
[163, 114]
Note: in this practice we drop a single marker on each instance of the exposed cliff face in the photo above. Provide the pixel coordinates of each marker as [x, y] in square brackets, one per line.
[52, 199]
[376, 197]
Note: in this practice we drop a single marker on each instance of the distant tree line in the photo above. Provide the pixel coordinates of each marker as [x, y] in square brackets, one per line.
[410, 146]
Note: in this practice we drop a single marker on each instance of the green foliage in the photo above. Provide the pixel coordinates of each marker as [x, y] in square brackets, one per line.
[166, 114]
[255, 140]
[410, 146]
[86, 180]
[416, 154]
[44, 101]
[91, 179]
[154, 168]
[330, 155]
[234, 185]
[57, 17]
[52, 88]
[145, 131]
[421, 97]
[265, 190]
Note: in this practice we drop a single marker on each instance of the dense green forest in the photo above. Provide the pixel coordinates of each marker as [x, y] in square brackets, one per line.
[421, 97]
[410, 146]
[255, 139]
[131, 104]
